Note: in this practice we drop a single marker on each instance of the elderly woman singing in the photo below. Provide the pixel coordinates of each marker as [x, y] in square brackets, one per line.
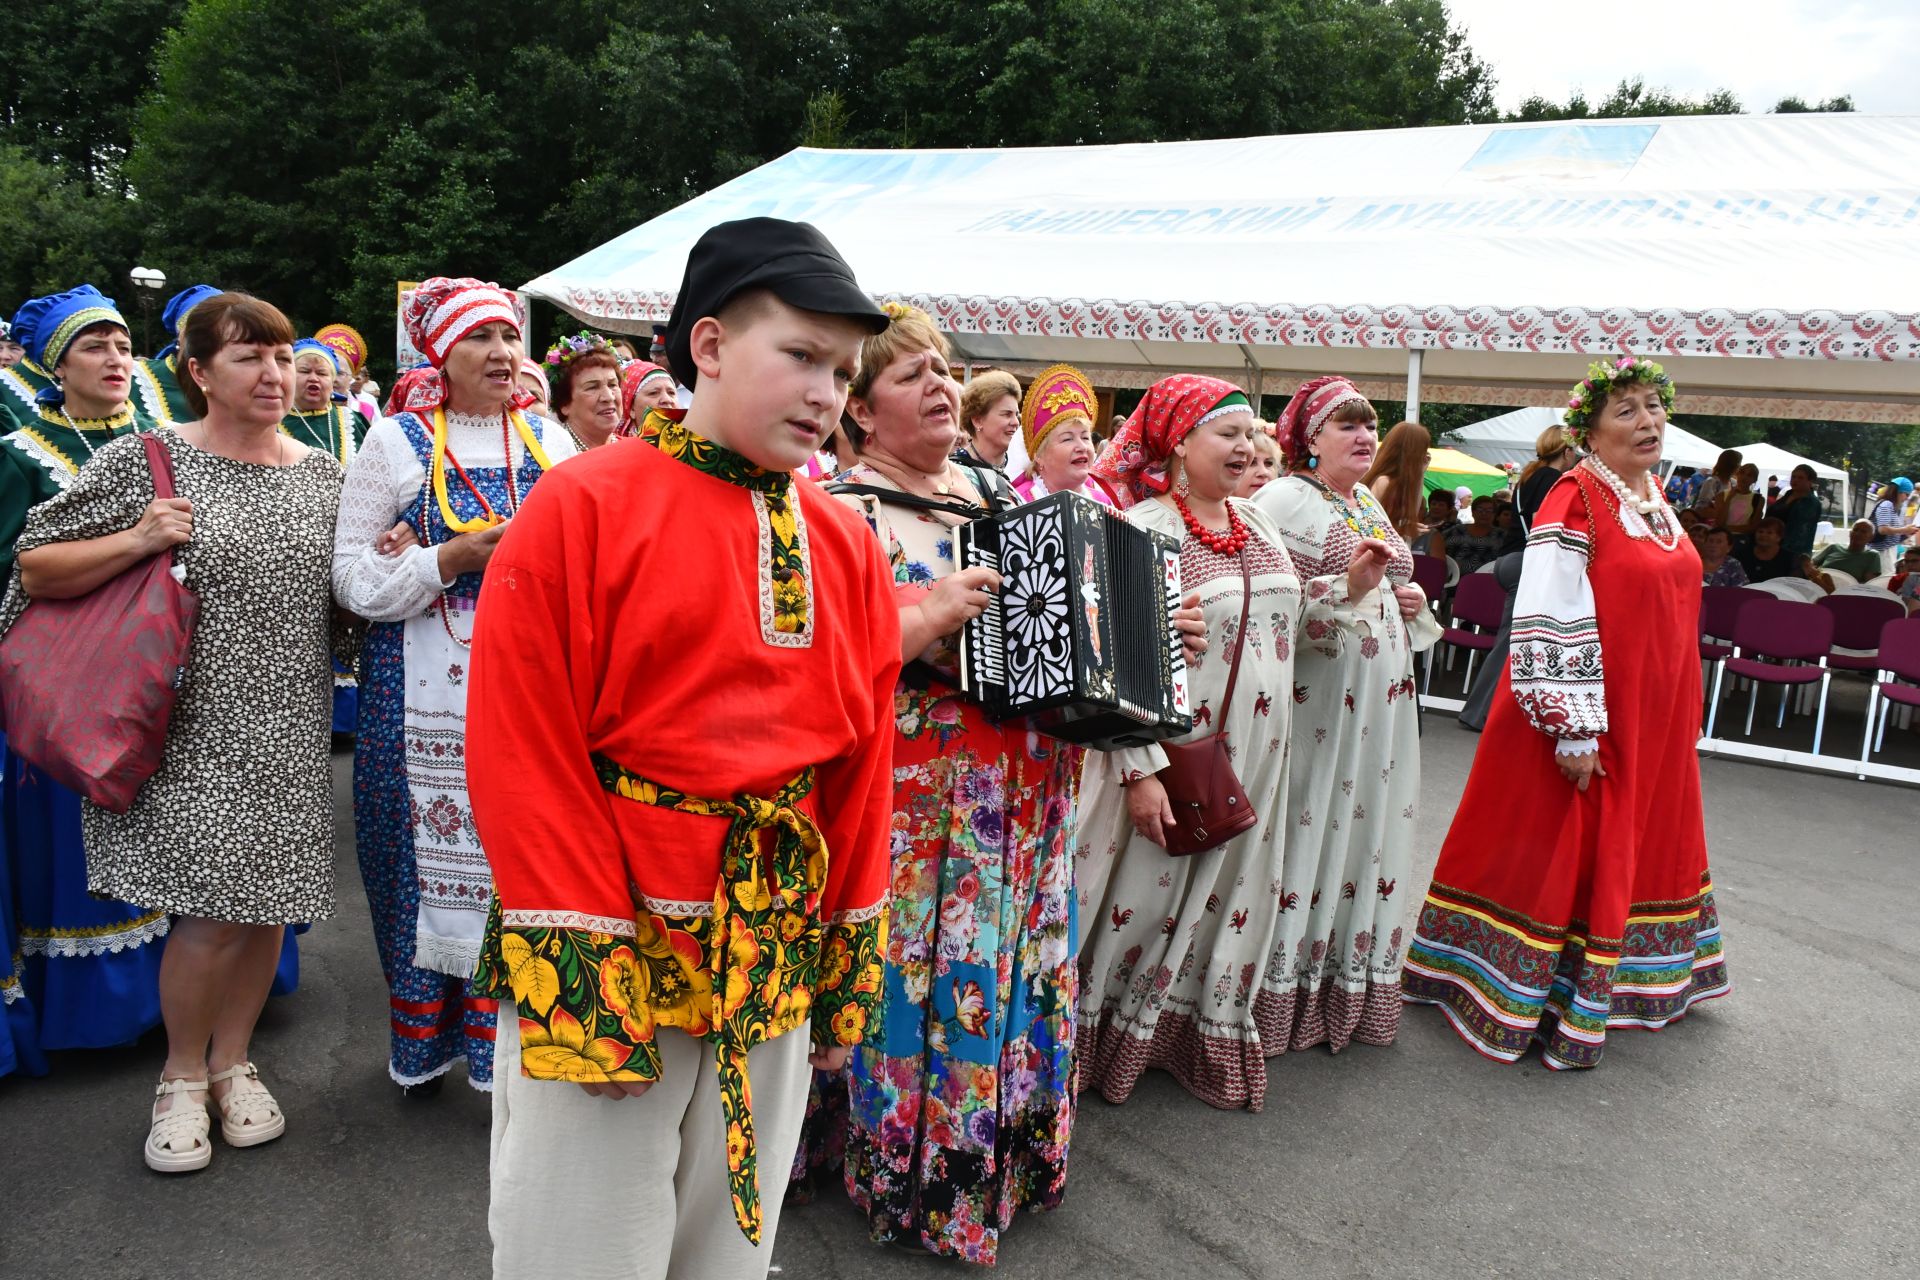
[454, 464]
[1354, 781]
[1180, 958]
[1572, 894]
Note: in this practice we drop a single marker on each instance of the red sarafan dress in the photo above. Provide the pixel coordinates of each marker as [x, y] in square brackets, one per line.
[1556, 915]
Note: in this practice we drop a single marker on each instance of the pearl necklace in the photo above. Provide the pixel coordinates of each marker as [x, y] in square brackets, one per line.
[1654, 512]
[84, 443]
[333, 439]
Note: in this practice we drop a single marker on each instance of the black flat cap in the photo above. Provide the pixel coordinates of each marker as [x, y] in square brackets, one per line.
[792, 259]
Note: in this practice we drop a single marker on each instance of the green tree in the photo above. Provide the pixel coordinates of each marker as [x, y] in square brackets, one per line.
[70, 234]
[1061, 72]
[1632, 97]
[1788, 106]
[71, 80]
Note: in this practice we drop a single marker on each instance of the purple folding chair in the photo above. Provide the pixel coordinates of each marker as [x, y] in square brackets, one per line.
[1478, 601]
[1857, 621]
[1719, 607]
[1899, 672]
[1787, 632]
[1430, 573]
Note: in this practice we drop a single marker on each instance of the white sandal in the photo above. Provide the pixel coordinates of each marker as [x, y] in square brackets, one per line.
[180, 1139]
[248, 1114]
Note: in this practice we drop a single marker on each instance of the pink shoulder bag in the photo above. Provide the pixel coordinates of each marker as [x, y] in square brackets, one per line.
[87, 685]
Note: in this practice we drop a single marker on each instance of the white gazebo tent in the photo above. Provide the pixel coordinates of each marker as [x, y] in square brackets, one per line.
[1777, 463]
[1772, 263]
[1511, 436]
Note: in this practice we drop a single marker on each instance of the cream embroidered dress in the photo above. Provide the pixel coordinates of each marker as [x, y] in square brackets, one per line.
[1186, 964]
[1355, 783]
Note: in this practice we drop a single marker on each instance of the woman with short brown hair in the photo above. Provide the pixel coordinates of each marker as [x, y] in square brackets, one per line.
[958, 1116]
[234, 834]
[584, 376]
[990, 417]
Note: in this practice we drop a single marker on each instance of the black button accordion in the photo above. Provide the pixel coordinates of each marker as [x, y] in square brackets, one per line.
[1080, 637]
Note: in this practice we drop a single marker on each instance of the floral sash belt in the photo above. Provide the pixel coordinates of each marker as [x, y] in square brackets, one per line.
[761, 946]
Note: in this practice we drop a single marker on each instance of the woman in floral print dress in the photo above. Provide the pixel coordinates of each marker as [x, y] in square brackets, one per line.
[1356, 735]
[958, 1107]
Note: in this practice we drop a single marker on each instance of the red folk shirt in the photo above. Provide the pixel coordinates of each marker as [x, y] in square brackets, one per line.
[672, 644]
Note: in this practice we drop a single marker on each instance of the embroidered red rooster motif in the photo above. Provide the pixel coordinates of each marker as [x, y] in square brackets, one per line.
[1288, 901]
[1204, 715]
[1238, 919]
[1213, 902]
[1262, 704]
[1121, 917]
[1346, 891]
[1386, 886]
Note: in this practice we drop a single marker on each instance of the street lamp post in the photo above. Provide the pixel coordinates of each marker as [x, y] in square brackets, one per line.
[149, 281]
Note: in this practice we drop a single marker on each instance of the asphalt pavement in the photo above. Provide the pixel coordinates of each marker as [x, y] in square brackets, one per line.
[1771, 1134]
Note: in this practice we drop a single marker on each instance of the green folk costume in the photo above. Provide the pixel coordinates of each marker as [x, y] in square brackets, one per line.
[41, 456]
[156, 390]
[19, 385]
[339, 430]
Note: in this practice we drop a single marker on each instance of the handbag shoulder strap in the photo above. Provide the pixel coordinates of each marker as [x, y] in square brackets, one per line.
[992, 486]
[160, 463]
[912, 501]
[1239, 638]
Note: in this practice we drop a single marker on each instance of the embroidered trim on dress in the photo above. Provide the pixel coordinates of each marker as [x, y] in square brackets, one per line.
[67, 944]
[35, 447]
[858, 915]
[618, 926]
[786, 614]
[153, 393]
[674, 907]
[19, 386]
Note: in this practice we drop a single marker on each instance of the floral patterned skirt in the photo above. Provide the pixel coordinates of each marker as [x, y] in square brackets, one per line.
[958, 1107]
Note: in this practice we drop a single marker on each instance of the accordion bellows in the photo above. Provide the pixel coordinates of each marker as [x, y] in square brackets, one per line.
[1079, 638]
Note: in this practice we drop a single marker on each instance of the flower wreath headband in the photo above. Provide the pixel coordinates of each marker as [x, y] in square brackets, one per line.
[1604, 376]
[567, 350]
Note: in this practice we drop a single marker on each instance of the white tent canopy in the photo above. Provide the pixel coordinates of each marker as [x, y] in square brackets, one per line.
[1511, 436]
[1771, 262]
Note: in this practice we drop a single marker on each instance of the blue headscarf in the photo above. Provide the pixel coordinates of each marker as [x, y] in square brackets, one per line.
[305, 345]
[47, 326]
[175, 314]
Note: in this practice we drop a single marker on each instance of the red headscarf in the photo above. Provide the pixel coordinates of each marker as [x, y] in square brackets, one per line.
[636, 372]
[439, 313]
[406, 386]
[1308, 413]
[1135, 461]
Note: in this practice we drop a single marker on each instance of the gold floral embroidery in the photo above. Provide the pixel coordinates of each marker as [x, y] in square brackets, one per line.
[761, 964]
[786, 572]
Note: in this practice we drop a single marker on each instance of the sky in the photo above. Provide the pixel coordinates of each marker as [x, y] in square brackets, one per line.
[1763, 50]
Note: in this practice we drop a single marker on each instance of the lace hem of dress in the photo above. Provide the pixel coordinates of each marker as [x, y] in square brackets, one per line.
[77, 944]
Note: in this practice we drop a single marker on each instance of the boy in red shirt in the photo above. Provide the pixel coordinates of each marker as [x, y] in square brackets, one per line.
[679, 751]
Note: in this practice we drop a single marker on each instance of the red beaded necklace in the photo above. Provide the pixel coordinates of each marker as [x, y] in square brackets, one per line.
[1230, 543]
